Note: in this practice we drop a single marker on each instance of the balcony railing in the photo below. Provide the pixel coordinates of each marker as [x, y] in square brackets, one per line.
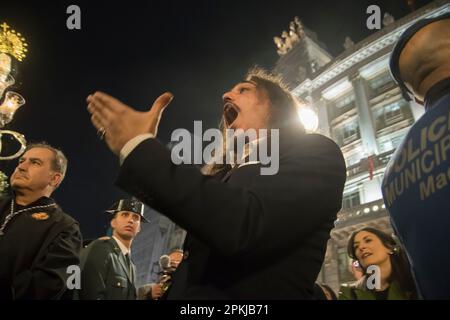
[404, 114]
[379, 161]
[382, 89]
[335, 112]
[344, 141]
[362, 211]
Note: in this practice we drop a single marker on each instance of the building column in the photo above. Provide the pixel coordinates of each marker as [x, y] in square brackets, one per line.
[366, 124]
[320, 105]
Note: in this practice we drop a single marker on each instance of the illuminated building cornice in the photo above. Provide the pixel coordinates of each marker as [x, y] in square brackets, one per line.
[341, 64]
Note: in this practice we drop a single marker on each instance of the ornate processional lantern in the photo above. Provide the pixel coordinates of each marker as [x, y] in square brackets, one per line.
[12, 46]
[13, 49]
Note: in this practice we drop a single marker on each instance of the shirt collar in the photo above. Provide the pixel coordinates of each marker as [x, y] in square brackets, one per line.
[249, 148]
[42, 201]
[122, 247]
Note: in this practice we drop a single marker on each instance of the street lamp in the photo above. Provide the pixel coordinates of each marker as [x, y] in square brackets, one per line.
[6, 80]
[12, 46]
[12, 102]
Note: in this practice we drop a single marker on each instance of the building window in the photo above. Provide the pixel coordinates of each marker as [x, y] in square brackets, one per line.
[351, 200]
[392, 113]
[345, 101]
[341, 105]
[353, 159]
[386, 146]
[346, 133]
[381, 84]
[350, 132]
[391, 143]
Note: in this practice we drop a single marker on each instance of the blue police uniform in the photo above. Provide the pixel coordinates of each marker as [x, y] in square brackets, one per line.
[416, 185]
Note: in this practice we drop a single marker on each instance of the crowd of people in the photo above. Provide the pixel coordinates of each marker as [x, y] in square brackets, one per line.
[275, 228]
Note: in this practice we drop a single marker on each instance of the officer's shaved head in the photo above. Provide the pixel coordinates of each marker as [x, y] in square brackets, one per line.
[424, 60]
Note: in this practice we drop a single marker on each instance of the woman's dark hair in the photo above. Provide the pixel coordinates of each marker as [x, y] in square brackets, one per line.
[401, 271]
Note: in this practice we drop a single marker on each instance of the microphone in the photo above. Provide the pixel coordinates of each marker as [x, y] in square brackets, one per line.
[164, 262]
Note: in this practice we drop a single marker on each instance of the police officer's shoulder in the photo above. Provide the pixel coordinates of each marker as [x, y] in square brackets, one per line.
[101, 243]
[97, 252]
[98, 249]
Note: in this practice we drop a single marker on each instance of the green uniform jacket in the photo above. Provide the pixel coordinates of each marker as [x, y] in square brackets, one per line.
[104, 274]
[354, 293]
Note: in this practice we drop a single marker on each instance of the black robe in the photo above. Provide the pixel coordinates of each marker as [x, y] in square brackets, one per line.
[36, 250]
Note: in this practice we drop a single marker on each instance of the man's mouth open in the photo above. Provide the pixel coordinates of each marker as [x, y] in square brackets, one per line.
[230, 113]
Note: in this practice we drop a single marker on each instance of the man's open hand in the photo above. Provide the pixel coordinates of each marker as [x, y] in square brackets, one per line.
[122, 123]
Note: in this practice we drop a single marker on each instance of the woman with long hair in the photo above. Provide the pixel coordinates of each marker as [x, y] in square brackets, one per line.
[372, 247]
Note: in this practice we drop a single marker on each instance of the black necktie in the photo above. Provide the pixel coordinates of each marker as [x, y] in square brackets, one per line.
[129, 266]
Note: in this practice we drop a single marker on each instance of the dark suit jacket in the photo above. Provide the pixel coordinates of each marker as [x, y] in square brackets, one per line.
[35, 254]
[104, 274]
[251, 236]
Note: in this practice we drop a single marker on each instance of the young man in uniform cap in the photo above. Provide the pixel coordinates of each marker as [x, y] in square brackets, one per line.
[416, 183]
[107, 270]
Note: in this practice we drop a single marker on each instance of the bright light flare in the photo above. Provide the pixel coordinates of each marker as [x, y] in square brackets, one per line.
[308, 118]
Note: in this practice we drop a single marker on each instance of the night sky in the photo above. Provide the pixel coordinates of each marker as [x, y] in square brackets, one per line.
[135, 51]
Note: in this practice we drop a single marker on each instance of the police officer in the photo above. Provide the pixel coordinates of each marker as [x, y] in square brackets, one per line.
[107, 270]
[416, 186]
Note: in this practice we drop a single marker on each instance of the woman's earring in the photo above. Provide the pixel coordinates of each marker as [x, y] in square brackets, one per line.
[395, 250]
